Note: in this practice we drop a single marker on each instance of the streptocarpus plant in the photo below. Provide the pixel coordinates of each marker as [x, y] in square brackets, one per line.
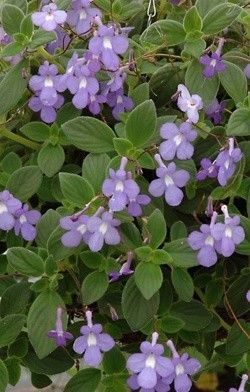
[124, 194]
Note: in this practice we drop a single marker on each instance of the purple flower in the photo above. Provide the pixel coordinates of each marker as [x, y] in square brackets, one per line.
[183, 368]
[149, 365]
[26, 219]
[124, 270]
[134, 206]
[47, 112]
[95, 103]
[177, 141]
[169, 182]
[119, 102]
[162, 385]
[241, 388]
[5, 39]
[82, 86]
[81, 16]
[208, 169]
[248, 296]
[58, 334]
[210, 209]
[120, 187]
[9, 205]
[103, 230]
[115, 83]
[226, 161]
[108, 44]
[247, 71]
[213, 64]
[228, 234]
[205, 242]
[189, 104]
[92, 61]
[46, 83]
[214, 111]
[61, 42]
[93, 342]
[49, 18]
[77, 231]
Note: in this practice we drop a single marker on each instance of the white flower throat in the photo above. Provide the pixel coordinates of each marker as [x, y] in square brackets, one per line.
[103, 228]
[83, 14]
[22, 219]
[49, 17]
[82, 229]
[228, 232]
[107, 43]
[48, 82]
[92, 341]
[3, 208]
[150, 361]
[209, 241]
[119, 187]
[178, 139]
[179, 369]
[168, 180]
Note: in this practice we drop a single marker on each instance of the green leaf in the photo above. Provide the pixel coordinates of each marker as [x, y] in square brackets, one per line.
[148, 278]
[140, 93]
[25, 182]
[22, 4]
[14, 370]
[140, 315]
[156, 228]
[76, 189]
[94, 170]
[4, 378]
[113, 361]
[234, 82]
[220, 17]
[67, 112]
[85, 380]
[238, 124]
[10, 327]
[198, 84]
[46, 225]
[12, 17]
[40, 380]
[25, 261]
[10, 96]
[131, 236]
[89, 134]
[183, 284]
[214, 292]
[41, 37]
[171, 324]
[11, 162]
[193, 313]
[15, 299]
[18, 348]
[192, 20]
[27, 27]
[38, 325]
[92, 260]
[181, 253]
[11, 49]
[164, 32]
[55, 247]
[123, 146]
[94, 287]
[141, 123]
[36, 130]
[194, 46]
[237, 341]
[204, 6]
[178, 230]
[50, 159]
[236, 295]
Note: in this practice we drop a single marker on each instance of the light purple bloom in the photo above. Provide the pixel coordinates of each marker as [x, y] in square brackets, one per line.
[93, 342]
[177, 141]
[115, 83]
[5, 39]
[149, 365]
[124, 270]
[215, 110]
[103, 230]
[134, 206]
[162, 385]
[241, 388]
[25, 221]
[120, 187]
[247, 71]
[108, 44]
[228, 234]
[9, 205]
[49, 17]
[59, 335]
[92, 61]
[208, 169]
[248, 296]
[119, 102]
[77, 231]
[189, 104]
[205, 242]
[226, 161]
[183, 368]
[81, 16]
[95, 103]
[61, 42]
[47, 112]
[169, 182]
[214, 63]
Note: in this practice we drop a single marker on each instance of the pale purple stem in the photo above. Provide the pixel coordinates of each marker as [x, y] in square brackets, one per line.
[123, 164]
[89, 318]
[155, 337]
[171, 345]
[213, 219]
[224, 209]
[59, 326]
[159, 160]
[220, 46]
[244, 379]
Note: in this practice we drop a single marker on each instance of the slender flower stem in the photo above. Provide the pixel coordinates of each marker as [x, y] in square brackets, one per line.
[19, 139]
[47, 56]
